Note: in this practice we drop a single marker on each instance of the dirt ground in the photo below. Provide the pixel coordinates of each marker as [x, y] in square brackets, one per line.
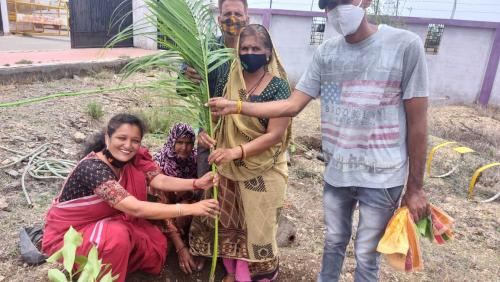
[474, 254]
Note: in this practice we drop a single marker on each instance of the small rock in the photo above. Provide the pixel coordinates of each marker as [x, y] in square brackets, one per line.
[12, 185]
[2, 278]
[320, 157]
[3, 204]
[13, 173]
[20, 139]
[79, 137]
[309, 155]
[82, 120]
[76, 77]
[62, 125]
[68, 152]
[5, 162]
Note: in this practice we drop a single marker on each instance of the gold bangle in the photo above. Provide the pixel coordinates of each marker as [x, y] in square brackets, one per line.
[239, 106]
[243, 153]
[179, 210]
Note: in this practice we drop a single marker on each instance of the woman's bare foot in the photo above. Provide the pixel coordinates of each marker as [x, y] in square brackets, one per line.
[229, 278]
[200, 263]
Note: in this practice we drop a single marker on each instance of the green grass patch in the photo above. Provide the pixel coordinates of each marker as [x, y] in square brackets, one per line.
[24, 62]
[159, 120]
[94, 110]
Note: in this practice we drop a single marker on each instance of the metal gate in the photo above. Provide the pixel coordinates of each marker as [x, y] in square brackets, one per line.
[90, 22]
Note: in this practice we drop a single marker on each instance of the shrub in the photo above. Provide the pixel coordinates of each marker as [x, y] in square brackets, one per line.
[94, 110]
[159, 120]
[24, 62]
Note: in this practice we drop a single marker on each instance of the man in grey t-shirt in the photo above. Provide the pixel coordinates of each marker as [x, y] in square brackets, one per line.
[373, 87]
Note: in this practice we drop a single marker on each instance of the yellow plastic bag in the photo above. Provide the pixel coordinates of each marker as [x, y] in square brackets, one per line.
[400, 243]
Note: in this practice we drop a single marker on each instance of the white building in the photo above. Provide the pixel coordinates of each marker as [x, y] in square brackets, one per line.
[463, 63]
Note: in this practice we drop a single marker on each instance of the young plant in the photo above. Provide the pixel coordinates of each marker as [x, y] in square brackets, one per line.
[88, 268]
[94, 110]
[188, 30]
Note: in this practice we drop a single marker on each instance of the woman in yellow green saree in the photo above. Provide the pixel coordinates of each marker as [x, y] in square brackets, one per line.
[250, 155]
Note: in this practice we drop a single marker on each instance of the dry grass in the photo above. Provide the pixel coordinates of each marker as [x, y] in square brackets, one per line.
[475, 127]
[472, 256]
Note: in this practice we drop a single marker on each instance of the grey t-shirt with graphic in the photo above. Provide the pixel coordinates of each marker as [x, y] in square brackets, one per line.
[362, 87]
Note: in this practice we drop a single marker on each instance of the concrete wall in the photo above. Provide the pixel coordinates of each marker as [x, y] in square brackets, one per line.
[464, 70]
[291, 38]
[139, 12]
[4, 17]
[457, 71]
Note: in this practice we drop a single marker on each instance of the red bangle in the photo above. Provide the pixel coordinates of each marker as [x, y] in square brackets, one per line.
[180, 249]
[243, 153]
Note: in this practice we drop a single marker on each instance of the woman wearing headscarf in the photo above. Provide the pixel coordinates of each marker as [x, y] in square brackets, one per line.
[250, 155]
[177, 158]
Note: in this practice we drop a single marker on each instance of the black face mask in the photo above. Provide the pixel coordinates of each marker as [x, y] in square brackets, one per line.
[112, 160]
[252, 62]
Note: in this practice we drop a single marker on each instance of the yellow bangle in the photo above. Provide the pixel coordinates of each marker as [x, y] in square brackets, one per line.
[239, 105]
[179, 209]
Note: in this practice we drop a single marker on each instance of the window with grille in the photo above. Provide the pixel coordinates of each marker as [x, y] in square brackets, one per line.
[317, 30]
[433, 39]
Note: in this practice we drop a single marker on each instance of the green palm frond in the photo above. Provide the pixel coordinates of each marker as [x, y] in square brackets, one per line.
[187, 29]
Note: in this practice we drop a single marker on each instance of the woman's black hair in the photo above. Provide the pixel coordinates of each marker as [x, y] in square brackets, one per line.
[97, 141]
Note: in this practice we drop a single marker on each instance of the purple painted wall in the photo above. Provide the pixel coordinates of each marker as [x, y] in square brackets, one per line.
[491, 71]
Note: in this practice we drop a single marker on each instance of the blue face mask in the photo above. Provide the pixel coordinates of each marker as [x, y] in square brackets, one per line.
[253, 62]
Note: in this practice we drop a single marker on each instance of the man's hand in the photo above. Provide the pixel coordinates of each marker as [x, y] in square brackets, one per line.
[192, 75]
[205, 140]
[221, 106]
[416, 201]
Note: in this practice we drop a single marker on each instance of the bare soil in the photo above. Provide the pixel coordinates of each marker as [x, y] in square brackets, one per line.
[472, 256]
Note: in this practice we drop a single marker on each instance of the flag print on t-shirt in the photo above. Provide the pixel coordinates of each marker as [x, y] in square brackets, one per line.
[360, 123]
